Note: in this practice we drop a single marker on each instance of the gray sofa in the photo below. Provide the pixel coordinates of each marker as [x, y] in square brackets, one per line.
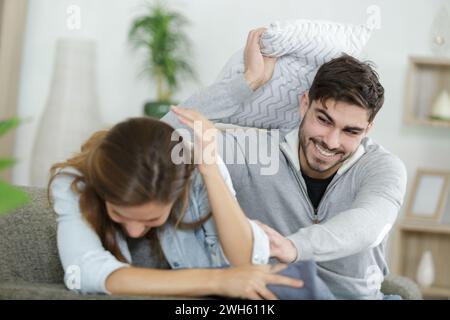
[30, 266]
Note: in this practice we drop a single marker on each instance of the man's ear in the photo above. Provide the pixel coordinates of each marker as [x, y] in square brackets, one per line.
[304, 103]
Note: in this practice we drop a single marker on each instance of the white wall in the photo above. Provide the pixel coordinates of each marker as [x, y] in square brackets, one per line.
[218, 29]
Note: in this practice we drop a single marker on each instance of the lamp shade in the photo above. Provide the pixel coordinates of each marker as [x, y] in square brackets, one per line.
[71, 113]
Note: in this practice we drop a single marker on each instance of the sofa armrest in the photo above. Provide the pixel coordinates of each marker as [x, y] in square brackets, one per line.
[397, 285]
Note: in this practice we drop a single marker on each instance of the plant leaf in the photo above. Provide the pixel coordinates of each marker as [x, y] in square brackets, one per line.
[8, 124]
[11, 198]
[6, 163]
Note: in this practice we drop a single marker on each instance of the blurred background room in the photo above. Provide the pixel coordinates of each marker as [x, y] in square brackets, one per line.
[70, 67]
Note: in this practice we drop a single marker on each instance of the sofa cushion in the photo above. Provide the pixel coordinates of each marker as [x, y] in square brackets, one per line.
[28, 242]
[53, 291]
[314, 288]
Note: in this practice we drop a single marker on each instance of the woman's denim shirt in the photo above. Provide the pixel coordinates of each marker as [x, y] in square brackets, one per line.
[87, 264]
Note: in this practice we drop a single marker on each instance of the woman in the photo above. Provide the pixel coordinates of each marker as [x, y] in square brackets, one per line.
[125, 184]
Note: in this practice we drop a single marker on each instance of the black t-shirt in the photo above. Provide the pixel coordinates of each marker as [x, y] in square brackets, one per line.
[316, 188]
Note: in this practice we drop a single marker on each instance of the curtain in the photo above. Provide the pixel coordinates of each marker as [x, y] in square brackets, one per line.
[12, 23]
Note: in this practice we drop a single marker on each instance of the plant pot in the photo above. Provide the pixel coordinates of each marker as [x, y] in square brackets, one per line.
[157, 109]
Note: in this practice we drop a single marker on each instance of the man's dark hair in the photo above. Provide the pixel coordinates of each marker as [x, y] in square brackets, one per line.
[347, 79]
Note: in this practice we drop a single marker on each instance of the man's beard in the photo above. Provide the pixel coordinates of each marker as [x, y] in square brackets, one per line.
[303, 144]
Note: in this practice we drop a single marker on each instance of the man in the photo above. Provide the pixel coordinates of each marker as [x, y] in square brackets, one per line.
[336, 194]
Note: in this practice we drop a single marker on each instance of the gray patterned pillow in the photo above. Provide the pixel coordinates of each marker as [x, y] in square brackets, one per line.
[301, 46]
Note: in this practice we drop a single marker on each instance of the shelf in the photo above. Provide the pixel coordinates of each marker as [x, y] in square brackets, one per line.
[424, 226]
[428, 79]
[437, 61]
[436, 292]
[414, 238]
[428, 123]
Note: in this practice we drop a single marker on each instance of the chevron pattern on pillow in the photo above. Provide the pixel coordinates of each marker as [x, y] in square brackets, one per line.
[301, 47]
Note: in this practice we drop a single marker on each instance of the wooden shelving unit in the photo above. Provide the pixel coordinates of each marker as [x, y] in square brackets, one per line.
[435, 292]
[427, 77]
[413, 239]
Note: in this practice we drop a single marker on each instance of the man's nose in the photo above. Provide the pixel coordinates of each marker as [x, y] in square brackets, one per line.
[332, 140]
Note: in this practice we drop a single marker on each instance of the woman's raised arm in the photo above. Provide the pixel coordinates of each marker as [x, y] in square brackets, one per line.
[236, 233]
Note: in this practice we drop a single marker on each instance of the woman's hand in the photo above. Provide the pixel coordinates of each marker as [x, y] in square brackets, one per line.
[205, 140]
[250, 282]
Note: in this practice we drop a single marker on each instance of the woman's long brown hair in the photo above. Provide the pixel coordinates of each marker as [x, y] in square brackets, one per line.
[129, 165]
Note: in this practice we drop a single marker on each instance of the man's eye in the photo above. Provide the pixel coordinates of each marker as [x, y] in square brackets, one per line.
[321, 119]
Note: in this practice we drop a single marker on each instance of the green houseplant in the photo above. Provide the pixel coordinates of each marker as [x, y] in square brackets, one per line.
[159, 34]
[10, 197]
